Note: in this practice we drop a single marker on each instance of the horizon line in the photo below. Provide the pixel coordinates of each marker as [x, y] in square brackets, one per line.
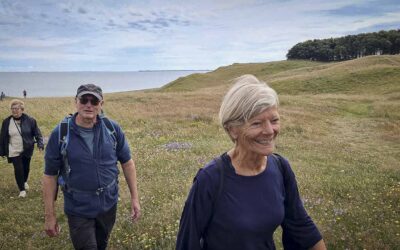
[108, 71]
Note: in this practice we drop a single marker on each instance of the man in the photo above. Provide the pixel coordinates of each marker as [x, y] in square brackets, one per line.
[91, 187]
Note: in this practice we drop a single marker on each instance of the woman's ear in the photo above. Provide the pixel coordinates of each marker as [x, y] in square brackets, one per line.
[233, 132]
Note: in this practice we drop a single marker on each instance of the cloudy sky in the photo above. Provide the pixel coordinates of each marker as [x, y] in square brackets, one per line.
[122, 35]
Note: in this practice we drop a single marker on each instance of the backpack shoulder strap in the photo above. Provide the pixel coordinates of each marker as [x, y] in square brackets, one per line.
[108, 124]
[282, 169]
[220, 166]
[63, 131]
[110, 128]
[63, 136]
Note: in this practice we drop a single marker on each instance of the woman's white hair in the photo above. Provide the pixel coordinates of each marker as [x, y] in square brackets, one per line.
[14, 102]
[247, 98]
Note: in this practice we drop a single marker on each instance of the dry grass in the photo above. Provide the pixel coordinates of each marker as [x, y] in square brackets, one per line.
[344, 149]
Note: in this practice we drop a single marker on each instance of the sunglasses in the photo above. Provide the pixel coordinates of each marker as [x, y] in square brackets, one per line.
[94, 101]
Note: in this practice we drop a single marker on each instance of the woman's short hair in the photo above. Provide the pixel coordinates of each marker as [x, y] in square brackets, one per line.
[247, 98]
[17, 102]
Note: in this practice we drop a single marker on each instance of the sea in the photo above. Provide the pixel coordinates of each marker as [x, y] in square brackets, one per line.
[58, 84]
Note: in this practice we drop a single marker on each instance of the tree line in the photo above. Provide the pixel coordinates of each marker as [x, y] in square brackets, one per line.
[348, 47]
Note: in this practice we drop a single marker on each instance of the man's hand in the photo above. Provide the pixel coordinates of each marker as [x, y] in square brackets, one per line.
[51, 226]
[49, 183]
[135, 214]
[129, 170]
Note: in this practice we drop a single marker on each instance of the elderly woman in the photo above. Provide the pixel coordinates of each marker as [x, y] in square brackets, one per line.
[17, 138]
[239, 199]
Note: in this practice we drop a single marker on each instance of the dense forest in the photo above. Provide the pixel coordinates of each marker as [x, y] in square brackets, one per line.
[348, 47]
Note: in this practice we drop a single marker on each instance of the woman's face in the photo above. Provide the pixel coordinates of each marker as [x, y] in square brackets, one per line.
[16, 111]
[258, 135]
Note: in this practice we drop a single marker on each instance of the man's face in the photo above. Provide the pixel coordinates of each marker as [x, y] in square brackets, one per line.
[88, 106]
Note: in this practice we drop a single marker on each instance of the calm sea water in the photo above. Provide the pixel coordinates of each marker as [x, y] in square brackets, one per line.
[48, 84]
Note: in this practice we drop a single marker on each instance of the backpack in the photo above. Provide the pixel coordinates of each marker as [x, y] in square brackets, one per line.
[63, 140]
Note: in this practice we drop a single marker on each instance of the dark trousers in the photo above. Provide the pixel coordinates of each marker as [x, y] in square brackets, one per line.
[21, 170]
[91, 233]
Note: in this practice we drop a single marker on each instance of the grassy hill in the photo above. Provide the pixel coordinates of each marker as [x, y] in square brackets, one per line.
[340, 131]
[224, 75]
[372, 74]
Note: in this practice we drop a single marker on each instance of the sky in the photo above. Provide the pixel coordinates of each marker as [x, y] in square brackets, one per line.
[122, 35]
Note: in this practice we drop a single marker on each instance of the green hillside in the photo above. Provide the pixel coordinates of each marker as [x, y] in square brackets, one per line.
[372, 74]
[223, 75]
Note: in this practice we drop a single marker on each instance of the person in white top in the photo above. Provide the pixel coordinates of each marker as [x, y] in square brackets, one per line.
[19, 133]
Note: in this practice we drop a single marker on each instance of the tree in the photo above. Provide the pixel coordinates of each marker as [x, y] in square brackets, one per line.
[348, 47]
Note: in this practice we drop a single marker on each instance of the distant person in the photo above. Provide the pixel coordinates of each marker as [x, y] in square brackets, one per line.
[86, 163]
[2, 95]
[238, 200]
[24, 93]
[18, 135]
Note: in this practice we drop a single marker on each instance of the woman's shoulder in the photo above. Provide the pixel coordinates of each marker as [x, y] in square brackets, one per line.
[211, 172]
[207, 179]
[280, 157]
[209, 169]
[28, 117]
[283, 165]
[7, 119]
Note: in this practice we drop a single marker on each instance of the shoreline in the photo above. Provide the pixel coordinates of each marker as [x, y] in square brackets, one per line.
[56, 84]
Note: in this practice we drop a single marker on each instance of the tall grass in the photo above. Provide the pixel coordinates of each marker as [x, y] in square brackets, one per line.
[343, 147]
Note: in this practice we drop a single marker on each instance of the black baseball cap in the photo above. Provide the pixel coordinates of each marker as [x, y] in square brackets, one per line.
[90, 89]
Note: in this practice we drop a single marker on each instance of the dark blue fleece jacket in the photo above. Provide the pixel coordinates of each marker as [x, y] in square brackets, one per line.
[89, 172]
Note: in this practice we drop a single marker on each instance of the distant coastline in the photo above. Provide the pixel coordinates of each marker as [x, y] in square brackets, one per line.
[200, 70]
[59, 84]
[150, 70]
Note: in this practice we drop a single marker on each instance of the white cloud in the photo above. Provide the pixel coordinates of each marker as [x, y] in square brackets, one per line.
[32, 42]
[180, 35]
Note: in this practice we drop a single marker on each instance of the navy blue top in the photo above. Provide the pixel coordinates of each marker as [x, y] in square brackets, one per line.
[89, 171]
[248, 210]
